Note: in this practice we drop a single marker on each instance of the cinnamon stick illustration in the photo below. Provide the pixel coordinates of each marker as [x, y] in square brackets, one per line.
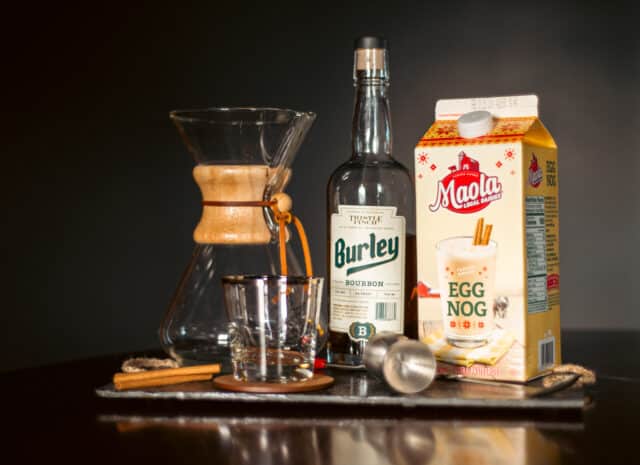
[482, 234]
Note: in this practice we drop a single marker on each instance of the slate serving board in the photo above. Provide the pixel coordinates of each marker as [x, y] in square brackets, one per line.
[360, 389]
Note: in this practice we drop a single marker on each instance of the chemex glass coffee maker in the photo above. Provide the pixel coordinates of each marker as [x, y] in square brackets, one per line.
[243, 162]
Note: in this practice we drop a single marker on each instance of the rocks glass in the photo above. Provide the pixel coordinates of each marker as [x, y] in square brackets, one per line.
[273, 326]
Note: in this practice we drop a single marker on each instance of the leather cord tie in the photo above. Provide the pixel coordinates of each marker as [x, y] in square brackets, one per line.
[280, 204]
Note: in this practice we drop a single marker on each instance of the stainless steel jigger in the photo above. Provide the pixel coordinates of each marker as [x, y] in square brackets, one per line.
[377, 347]
[407, 366]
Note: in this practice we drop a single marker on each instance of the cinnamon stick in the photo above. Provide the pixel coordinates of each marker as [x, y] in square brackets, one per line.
[477, 237]
[169, 380]
[486, 236]
[165, 376]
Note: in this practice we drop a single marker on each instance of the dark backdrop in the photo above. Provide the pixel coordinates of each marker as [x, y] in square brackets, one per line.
[100, 203]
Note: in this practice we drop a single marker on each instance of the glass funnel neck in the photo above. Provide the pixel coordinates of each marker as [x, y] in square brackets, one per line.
[242, 154]
[243, 135]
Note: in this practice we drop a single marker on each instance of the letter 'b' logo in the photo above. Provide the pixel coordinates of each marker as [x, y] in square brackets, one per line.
[361, 331]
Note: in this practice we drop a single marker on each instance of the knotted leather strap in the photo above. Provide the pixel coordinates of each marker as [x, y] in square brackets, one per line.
[280, 205]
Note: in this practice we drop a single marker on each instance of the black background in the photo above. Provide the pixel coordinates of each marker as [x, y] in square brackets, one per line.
[100, 203]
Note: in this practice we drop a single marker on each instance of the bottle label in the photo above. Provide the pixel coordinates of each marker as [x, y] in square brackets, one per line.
[367, 271]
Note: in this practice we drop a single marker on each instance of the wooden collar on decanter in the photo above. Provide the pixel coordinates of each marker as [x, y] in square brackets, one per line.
[233, 216]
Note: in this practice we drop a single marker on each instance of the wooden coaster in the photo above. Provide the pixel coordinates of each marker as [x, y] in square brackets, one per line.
[229, 383]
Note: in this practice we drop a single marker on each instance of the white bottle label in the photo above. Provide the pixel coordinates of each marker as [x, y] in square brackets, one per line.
[367, 271]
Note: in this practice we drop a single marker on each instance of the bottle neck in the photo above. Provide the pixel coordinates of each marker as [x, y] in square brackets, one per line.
[371, 129]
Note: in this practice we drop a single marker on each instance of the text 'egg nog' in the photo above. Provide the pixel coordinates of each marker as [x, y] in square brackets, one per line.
[487, 239]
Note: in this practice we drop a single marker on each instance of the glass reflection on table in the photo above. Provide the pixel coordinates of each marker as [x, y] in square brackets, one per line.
[336, 441]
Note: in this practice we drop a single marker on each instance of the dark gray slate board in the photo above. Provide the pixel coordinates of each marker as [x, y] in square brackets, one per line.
[357, 388]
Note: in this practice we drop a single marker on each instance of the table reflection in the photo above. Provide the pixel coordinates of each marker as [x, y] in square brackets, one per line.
[349, 441]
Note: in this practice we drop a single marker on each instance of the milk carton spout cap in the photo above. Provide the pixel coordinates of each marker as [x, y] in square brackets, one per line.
[475, 124]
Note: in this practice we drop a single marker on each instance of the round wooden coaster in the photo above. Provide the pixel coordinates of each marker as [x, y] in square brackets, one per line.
[229, 383]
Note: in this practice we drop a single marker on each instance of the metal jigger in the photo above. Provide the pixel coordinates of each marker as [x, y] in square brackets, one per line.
[377, 347]
[407, 366]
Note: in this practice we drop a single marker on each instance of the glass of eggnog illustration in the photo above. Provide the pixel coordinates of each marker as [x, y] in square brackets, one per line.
[466, 275]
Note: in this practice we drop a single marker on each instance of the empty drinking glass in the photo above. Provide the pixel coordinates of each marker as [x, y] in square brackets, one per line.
[273, 326]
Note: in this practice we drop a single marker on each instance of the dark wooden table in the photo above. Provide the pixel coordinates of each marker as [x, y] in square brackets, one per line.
[52, 414]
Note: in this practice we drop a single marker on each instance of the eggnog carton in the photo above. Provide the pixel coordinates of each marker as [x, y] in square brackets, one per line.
[487, 239]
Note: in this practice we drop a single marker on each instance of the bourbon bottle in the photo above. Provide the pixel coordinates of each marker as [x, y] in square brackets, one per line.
[370, 202]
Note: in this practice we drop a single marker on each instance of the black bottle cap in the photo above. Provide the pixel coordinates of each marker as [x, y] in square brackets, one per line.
[370, 42]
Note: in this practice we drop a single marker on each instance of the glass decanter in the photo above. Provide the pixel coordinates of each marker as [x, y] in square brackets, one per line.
[243, 158]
